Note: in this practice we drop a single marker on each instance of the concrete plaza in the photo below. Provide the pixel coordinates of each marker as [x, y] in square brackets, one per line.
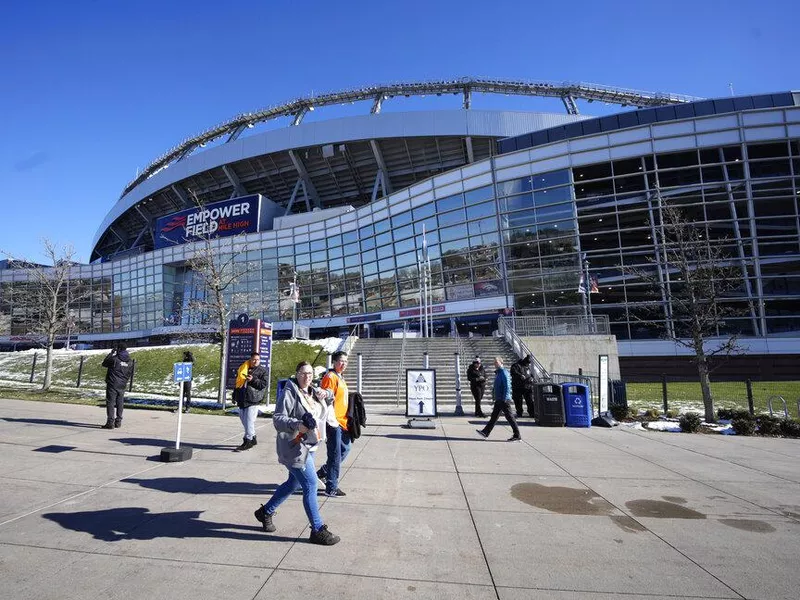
[566, 514]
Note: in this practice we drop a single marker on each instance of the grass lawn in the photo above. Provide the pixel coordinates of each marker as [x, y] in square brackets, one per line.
[686, 396]
[153, 374]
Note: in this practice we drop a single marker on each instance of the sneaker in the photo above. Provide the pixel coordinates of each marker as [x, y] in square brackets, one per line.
[253, 442]
[265, 519]
[321, 475]
[482, 433]
[323, 537]
[515, 438]
[108, 425]
[246, 445]
[337, 493]
[117, 424]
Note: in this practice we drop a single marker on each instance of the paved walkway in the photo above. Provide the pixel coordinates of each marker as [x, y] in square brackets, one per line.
[567, 514]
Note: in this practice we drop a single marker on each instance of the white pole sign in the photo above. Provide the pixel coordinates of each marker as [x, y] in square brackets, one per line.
[420, 393]
[603, 382]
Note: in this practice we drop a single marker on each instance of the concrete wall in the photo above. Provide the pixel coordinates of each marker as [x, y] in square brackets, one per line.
[568, 353]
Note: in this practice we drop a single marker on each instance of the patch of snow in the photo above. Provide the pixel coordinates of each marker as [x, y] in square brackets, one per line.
[663, 426]
[636, 425]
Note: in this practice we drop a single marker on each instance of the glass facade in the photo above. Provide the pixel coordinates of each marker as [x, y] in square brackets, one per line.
[514, 227]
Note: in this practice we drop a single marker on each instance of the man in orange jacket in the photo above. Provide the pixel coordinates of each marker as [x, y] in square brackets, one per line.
[338, 438]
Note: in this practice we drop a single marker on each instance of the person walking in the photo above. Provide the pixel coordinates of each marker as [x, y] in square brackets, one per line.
[119, 368]
[522, 386]
[300, 413]
[476, 375]
[187, 385]
[502, 402]
[338, 437]
[251, 380]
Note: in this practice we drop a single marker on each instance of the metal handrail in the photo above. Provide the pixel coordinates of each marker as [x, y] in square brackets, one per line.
[506, 328]
[785, 408]
[347, 343]
[400, 368]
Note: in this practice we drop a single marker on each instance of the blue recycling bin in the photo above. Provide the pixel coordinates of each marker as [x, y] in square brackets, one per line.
[577, 405]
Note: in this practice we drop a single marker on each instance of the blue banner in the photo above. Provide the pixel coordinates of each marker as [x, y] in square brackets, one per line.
[229, 217]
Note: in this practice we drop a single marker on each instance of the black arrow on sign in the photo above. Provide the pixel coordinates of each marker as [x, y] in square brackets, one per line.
[421, 406]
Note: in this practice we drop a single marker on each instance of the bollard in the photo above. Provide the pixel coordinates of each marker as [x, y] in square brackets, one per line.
[664, 392]
[750, 405]
[133, 372]
[80, 372]
[425, 359]
[360, 374]
[33, 366]
[459, 408]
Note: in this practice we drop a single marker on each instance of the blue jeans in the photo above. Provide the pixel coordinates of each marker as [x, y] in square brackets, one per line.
[248, 418]
[338, 445]
[305, 478]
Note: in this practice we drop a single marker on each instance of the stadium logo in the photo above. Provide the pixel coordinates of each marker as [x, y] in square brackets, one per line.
[230, 217]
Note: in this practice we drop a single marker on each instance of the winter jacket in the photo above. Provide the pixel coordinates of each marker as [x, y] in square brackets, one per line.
[289, 410]
[521, 376]
[476, 375]
[119, 367]
[356, 415]
[250, 393]
[502, 385]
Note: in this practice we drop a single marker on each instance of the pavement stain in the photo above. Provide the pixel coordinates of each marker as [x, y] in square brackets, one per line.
[658, 509]
[627, 524]
[751, 525]
[562, 500]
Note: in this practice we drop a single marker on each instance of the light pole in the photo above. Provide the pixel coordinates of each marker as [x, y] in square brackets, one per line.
[587, 286]
[295, 296]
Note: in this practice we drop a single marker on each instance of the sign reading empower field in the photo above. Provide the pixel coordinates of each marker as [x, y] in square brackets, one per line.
[229, 217]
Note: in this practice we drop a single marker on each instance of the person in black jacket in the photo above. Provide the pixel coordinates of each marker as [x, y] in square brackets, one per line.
[187, 385]
[522, 385]
[476, 375]
[119, 369]
[251, 381]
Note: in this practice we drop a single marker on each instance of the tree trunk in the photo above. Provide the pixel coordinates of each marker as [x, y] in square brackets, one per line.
[223, 359]
[705, 386]
[48, 366]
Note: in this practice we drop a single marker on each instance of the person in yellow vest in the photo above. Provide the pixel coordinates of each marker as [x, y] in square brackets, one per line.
[251, 383]
[338, 438]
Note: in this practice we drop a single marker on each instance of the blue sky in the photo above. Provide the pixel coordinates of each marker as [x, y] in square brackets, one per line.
[91, 91]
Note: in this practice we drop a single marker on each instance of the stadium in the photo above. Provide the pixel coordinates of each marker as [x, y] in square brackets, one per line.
[526, 213]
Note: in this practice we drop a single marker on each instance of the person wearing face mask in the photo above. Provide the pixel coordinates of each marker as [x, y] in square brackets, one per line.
[300, 417]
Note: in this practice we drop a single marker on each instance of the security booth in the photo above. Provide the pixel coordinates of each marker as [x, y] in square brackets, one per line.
[549, 405]
[577, 405]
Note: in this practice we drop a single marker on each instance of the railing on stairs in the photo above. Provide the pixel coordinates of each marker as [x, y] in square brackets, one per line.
[506, 328]
[400, 368]
[347, 343]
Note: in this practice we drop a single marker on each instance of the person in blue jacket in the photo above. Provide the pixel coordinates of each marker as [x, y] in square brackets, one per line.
[502, 402]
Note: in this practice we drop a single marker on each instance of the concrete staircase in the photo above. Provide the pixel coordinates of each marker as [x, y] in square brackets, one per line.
[384, 383]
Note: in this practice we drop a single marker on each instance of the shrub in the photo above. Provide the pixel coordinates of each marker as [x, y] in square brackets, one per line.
[790, 428]
[769, 425]
[652, 413]
[671, 414]
[740, 414]
[744, 425]
[690, 422]
[725, 413]
[619, 411]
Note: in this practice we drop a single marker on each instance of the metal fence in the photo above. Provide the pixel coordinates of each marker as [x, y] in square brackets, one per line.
[536, 325]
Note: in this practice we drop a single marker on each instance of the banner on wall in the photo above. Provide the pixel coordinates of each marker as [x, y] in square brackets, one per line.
[220, 219]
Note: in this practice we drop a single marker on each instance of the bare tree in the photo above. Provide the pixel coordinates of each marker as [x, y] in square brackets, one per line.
[220, 264]
[48, 298]
[696, 279]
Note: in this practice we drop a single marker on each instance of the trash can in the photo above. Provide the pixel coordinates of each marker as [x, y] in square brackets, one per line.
[577, 405]
[617, 393]
[549, 404]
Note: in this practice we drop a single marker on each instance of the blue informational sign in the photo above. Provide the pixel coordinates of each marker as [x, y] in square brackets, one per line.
[229, 217]
[182, 371]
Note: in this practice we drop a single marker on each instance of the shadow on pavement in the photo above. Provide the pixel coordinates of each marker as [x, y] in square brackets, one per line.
[197, 485]
[58, 422]
[170, 443]
[118, 524]
[428, 438]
